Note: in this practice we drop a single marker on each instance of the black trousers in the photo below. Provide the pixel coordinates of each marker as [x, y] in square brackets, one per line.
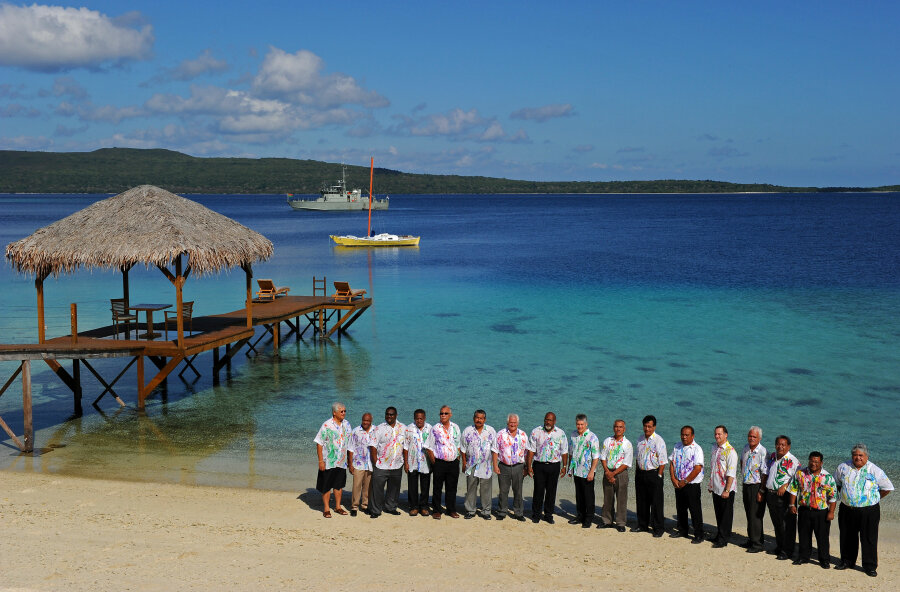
[688, 499]
[546, 478]
[755, 511]
[648, 494]
[783, 522]
[859, 525]
[446, 476]
[811, 521]
[724, 509]
[379, 501]
[585, 500]
[419, 485]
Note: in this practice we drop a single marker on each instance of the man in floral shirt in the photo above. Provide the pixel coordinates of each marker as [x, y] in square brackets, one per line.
[477, 441]
[813, 498]
[781, 466]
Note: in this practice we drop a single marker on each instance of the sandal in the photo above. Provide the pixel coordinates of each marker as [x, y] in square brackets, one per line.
[341, 511]
[327, 514]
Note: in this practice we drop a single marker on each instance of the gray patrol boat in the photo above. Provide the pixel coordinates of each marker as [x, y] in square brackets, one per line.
[337, 198]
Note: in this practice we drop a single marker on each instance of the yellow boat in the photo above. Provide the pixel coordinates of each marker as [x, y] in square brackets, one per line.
[379, 240]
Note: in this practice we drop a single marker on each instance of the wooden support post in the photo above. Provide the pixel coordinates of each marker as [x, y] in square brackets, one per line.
[73, 320]
[140, 381]
[179, 304]
[39, 286]
[248, 272]
[26, 406]
[76, 377]
[276, 333]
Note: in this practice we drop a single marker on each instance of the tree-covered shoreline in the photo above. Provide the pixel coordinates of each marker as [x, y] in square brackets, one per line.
[112, 170]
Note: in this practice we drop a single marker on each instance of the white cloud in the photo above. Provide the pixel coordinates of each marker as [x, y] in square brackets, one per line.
[18, 110]
[457, 124]
[54, 38]
[87, 111]
[68, 86]
[25, 143]
[202, 64]
[298, 78]
[541, 114]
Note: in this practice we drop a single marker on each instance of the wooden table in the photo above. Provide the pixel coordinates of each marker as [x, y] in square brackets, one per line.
[149, 309]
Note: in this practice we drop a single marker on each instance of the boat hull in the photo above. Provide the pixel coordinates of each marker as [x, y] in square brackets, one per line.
[322, 205]
[361, 241]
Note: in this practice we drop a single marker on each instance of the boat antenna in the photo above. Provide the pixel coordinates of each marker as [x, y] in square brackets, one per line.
[371, 175]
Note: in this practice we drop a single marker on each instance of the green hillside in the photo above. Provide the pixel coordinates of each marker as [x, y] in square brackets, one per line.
[112, 170]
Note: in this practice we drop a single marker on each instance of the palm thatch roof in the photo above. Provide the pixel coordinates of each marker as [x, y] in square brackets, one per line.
[146, 225]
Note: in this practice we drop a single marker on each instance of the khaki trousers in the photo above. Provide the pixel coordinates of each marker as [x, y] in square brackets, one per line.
[362, 485]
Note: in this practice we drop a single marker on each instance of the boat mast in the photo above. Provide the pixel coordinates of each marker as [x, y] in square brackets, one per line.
[371, 175]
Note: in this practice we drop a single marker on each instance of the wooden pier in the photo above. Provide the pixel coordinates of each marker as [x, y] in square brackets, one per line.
[223, 334]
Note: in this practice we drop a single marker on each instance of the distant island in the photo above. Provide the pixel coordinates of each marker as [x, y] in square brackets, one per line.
[113, 170]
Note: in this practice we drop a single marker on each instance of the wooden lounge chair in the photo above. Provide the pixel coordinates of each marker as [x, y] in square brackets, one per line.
[268, 290]
[187, 313]
[344, 293]
[120, 314]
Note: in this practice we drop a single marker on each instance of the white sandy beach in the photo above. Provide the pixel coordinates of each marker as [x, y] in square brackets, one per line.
[70, 533]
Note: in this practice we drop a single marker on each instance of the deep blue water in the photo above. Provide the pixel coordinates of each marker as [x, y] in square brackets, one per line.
[777, 310]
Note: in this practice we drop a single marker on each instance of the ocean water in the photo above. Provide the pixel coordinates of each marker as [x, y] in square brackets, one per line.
[774, 310]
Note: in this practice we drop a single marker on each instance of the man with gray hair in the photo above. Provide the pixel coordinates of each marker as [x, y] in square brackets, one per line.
[617, 456]
[753, 475]
[584, 454]
[509, 464]
[332, 442]
[861, 485]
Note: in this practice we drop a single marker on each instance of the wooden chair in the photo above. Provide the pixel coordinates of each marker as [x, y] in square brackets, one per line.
[344, 293]
[318, 286]
[268, 290]
[187, 313]
[120, 314]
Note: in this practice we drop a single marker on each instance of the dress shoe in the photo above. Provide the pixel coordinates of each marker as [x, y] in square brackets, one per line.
[657, 534]
[486, 516]
[548, 519]
[640, 529]
[871, 573]
[373, 516]
[620, 528]
[719, 545]
[519, 518]
[392, 512]
[825, 565]
[799, 561]
[841, 566]
[453, 514]
[501, 516]
[469, 516]
[436, 515]
[755, 550]
[414, 512]
[425, 513]
[535, 519]
[679, 535]
[697, 540]
[586, 525]
[782, 556]
[353, 512]
[576, 521]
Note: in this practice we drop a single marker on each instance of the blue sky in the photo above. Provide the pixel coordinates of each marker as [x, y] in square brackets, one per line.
[795, 93]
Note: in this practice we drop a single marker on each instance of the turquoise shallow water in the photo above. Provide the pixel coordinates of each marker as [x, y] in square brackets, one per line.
[771, 310]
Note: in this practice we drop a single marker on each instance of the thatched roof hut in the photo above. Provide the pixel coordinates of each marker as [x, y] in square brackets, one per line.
[146, 225]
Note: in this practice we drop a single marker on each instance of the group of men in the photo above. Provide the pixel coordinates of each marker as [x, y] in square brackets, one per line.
[801, 501]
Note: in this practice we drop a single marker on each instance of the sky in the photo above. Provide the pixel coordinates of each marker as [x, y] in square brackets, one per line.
[791, 93]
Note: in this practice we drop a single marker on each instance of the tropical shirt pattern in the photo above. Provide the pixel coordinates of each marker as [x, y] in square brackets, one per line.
[414, 443]
[616, 453]
[780, 471]
[685, 458]
[334, 438]
[548, 447]
[444, 443]
[359, 446]
[815, 491]
[753, 464]
[388, 443]
[510, 448]
[583, 450]
[479, 461]
[859, 488]
[724, 461]
[651, 452]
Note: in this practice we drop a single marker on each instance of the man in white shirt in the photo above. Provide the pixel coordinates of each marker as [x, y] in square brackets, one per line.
[723, 464]
[475, 453]
[616, 455]
[415, 463]
[386, 448]
[686, 473]
[508, 454]
[650, 465]
[546, 459]
[753, 475]
[781, 466]
[359, 462]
